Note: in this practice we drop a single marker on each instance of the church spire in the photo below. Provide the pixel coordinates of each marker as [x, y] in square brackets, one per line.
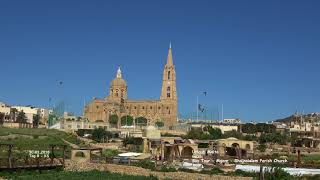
[119, 73]
[169, 59]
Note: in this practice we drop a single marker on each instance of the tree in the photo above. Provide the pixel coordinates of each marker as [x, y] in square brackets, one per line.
[2, 115]
[234, 134]
[113, 119]
[141, 121]
[273, 138]
[248, 128]
[126, 120]
[13, 114]
[262, 147]
[100, 135]
[21, 117]
[215, 132]
[195, 133]
[132, 140]
[36, 120]
[159, 124]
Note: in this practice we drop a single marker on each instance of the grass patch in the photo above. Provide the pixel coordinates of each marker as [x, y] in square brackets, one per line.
[35, 139]
[90, 175]
[110, 153]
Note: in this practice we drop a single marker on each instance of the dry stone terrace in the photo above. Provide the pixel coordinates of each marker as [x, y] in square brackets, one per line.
[132, 170]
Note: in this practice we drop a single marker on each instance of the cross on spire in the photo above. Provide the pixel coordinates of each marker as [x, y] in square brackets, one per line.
[119, 73]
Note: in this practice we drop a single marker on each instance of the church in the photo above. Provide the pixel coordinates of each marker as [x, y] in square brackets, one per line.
[117, 104]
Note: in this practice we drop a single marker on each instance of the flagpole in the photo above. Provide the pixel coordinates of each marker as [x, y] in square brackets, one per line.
[197, 107]
[222, 113]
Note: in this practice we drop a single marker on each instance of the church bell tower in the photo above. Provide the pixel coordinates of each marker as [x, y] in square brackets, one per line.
[168, 96]
[169, 91]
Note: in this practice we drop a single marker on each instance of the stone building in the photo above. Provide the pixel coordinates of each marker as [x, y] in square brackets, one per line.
[117, 103]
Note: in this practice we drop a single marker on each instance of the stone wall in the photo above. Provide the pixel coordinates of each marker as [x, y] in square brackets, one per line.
[132, 170]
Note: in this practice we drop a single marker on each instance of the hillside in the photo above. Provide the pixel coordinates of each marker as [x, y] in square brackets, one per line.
[312, 117]
[25, 139]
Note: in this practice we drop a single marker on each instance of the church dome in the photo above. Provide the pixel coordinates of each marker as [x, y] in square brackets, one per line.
[118, 81]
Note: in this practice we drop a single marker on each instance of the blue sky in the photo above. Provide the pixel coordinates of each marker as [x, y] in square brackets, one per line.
[259, 59]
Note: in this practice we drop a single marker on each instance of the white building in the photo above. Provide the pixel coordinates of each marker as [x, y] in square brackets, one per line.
[231, 121]
[29, 112]
[4, 108]
[69, 116]
[75, 125]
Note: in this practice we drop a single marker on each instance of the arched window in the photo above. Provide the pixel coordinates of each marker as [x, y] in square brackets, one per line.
[168, 95]
[169, 74]
[168, 88]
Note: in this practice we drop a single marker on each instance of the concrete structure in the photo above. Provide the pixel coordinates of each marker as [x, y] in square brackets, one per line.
[169, 148]
[117, 103]
[83, 154]
[236, 147]
[166, 148]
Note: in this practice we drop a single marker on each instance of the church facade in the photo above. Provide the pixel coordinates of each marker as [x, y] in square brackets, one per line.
[117, 103]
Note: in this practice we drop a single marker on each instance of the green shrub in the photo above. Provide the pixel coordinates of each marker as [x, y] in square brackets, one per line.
[132, 140]
[110, 153]
[126, 120]
[203, 145]
[214, 170]
[167, 169]
[141, 121]
[113, 119]
[159, 124]
[147, 164]
[54, 175]
[277, 173]
[262, 147]
[239, 172]
[187, 170]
